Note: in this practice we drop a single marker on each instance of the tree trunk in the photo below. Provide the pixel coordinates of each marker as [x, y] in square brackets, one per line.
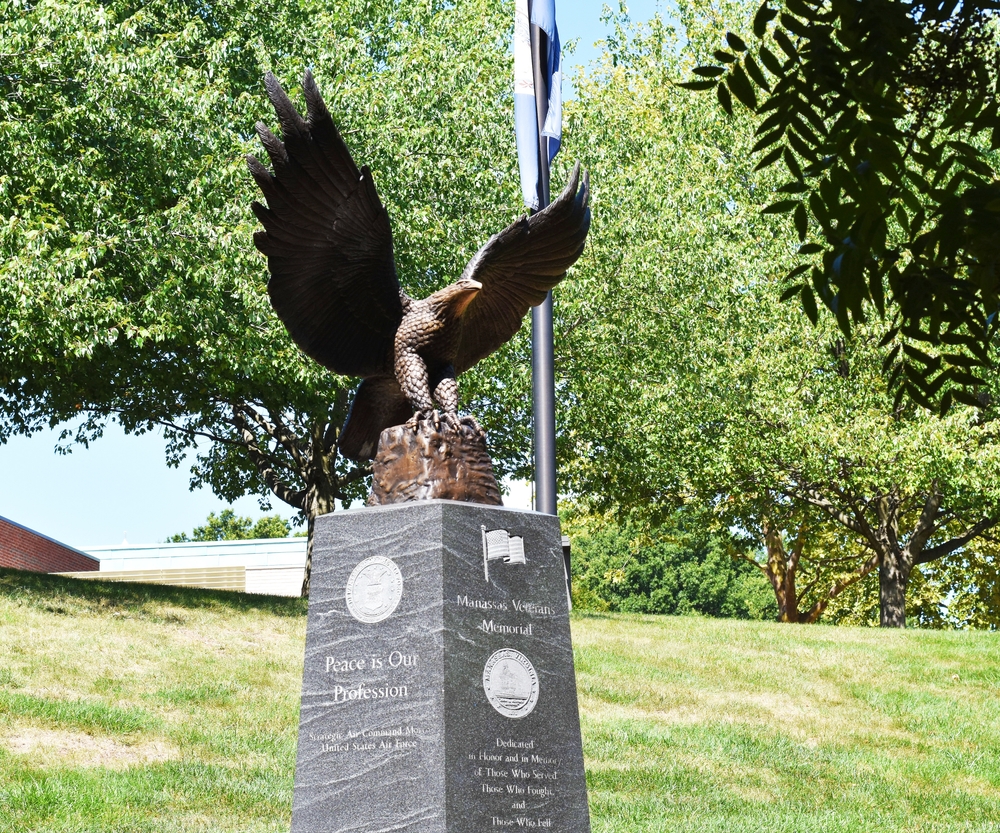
[894, 566]
[313, 458]
[781, 572]
[307, 575]
[321, 496]
[893, 576]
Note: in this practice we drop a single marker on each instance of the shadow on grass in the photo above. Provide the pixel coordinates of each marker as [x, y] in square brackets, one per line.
[59, 594]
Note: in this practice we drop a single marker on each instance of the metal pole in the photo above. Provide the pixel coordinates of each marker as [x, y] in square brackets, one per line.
[543, 393]
[542, 351]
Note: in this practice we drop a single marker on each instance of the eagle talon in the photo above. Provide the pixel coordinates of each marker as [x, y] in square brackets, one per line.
[473, 423]
[422, 420]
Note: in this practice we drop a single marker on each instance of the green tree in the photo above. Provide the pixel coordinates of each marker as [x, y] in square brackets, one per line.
[228, 526]
[885, 115]
[691, 382]
[972, 579]
[270, 526]
[675, 568]
[129, 285]
[960, 591]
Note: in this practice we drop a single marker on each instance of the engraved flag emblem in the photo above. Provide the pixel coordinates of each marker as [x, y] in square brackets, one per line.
[498, 544]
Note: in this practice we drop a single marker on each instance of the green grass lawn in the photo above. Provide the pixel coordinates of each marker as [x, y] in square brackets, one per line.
[135, 708]
[714, 725]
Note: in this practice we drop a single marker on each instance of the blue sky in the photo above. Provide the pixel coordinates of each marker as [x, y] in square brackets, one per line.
[582, 19]
[121, 486]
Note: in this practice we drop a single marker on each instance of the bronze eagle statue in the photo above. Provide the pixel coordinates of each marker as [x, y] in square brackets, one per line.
[333, 279]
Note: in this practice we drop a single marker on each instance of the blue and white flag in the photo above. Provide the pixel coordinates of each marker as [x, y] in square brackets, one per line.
[543, 15]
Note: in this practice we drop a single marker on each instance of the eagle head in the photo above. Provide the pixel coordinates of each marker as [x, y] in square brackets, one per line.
[456, 297]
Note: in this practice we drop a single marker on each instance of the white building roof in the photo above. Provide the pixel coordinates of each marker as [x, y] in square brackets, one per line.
[260, 552]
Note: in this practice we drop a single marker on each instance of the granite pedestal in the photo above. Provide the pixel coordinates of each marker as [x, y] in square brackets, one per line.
[439, 694]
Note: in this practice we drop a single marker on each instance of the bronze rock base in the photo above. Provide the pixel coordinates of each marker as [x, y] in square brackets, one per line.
[421, 461]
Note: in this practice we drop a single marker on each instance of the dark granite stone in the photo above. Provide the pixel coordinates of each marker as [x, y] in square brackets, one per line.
[446, 701]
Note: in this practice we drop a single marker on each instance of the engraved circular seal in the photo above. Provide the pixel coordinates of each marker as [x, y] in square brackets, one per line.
[374, 589]
[511, 683]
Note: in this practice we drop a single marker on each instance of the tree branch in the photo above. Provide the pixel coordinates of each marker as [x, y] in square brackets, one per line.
[276, 431]
[839, 587]
[735, 553]
[867, 532]
[332, 429]
[264, 465]
[925, 525]
[191, 432]
[960, 541]
[855, 524]
[354, 474]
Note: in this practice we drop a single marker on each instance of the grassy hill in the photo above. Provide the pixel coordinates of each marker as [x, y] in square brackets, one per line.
[128, 708]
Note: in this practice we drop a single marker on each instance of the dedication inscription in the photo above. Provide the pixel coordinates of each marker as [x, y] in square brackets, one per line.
[439, 692]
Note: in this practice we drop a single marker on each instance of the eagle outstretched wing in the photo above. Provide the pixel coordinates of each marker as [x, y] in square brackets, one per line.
[327, 240]
[518, 266]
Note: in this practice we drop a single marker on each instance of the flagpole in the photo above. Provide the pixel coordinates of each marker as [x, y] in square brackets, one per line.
[542, 349]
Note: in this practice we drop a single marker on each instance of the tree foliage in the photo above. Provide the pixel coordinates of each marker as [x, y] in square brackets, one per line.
[885, 117]
[228, 526]
[676, 568]
[720, 395]
[959, 591]
[129, 285]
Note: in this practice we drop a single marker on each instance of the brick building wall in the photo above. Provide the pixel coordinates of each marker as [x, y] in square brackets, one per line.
[25, 549]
